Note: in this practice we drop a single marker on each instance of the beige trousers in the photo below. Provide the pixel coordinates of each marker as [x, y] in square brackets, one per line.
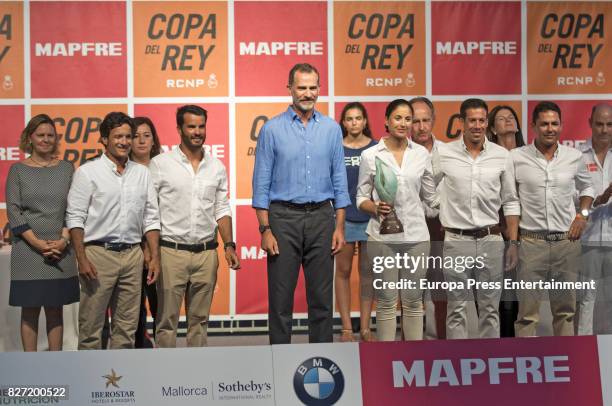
[181, 269]
[540, 260]
[411, 299]
[490, 250]
[119, 283]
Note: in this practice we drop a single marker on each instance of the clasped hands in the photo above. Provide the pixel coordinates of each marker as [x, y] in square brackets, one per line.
[53, 250]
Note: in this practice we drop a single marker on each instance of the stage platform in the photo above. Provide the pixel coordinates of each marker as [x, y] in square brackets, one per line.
[531, 371]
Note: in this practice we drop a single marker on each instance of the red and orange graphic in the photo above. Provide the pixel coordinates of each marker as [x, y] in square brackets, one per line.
[379, 48]
[568, 49]
[12, 123]
[180, 49]
[11, 50]
[78, 49]
[476, 58]
[267, 44]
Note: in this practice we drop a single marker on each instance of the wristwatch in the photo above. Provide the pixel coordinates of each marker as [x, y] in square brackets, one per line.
[585, 213]
[229, 244]
[262, 229]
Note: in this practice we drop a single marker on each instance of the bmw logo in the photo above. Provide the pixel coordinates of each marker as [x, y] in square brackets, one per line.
[318, 382]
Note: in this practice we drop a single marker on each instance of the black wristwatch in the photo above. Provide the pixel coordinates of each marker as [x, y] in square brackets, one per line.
[229, 244]
[262, 229]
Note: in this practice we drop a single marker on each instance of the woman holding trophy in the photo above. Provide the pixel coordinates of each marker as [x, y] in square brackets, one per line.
[393, 177]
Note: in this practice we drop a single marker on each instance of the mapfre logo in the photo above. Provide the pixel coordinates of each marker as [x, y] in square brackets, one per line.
[476, 47]
[78, 48]
[281, 48]
[462, 56]
[252, 252]
[75, 52]
[267, 44]
[523, 370]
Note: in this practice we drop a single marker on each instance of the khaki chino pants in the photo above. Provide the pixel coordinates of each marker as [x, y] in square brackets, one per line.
[490, 249]
[541, 260]
[179, 269]
[119, 284]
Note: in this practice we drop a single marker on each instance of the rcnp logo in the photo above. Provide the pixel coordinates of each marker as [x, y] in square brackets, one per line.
[318, 382]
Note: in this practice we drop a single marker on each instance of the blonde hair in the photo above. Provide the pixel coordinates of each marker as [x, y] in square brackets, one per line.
[25, 143]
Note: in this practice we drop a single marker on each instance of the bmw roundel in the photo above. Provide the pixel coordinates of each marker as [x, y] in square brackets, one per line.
[318, 381]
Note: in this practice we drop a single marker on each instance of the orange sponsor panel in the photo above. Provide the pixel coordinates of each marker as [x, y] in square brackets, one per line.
[180, 49]
[379, 48]
[78, 126]
[567, 50]
[11, 50]
[3, 220]
[249, 120]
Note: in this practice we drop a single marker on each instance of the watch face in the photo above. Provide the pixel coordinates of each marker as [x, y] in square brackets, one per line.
[584, 212]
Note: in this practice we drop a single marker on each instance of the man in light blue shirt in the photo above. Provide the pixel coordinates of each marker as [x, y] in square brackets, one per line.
[298, 182]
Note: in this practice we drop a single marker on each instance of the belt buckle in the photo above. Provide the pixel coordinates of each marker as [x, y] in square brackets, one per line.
[551, 237]
[172, 244]
[109, 246]
[483, 232]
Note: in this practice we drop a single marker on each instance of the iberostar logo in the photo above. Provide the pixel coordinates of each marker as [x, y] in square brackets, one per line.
[318, 382]
[112, 379]
[113, 393]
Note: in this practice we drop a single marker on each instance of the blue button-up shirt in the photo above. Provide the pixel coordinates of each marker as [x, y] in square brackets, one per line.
[298, 163]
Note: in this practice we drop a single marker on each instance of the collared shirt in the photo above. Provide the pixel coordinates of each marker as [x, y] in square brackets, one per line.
[431, 212]
[300, 163]
[111, 206]
[599, 226]
[415, 179]
[473, 190]
[546, 188]
[190, 202]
